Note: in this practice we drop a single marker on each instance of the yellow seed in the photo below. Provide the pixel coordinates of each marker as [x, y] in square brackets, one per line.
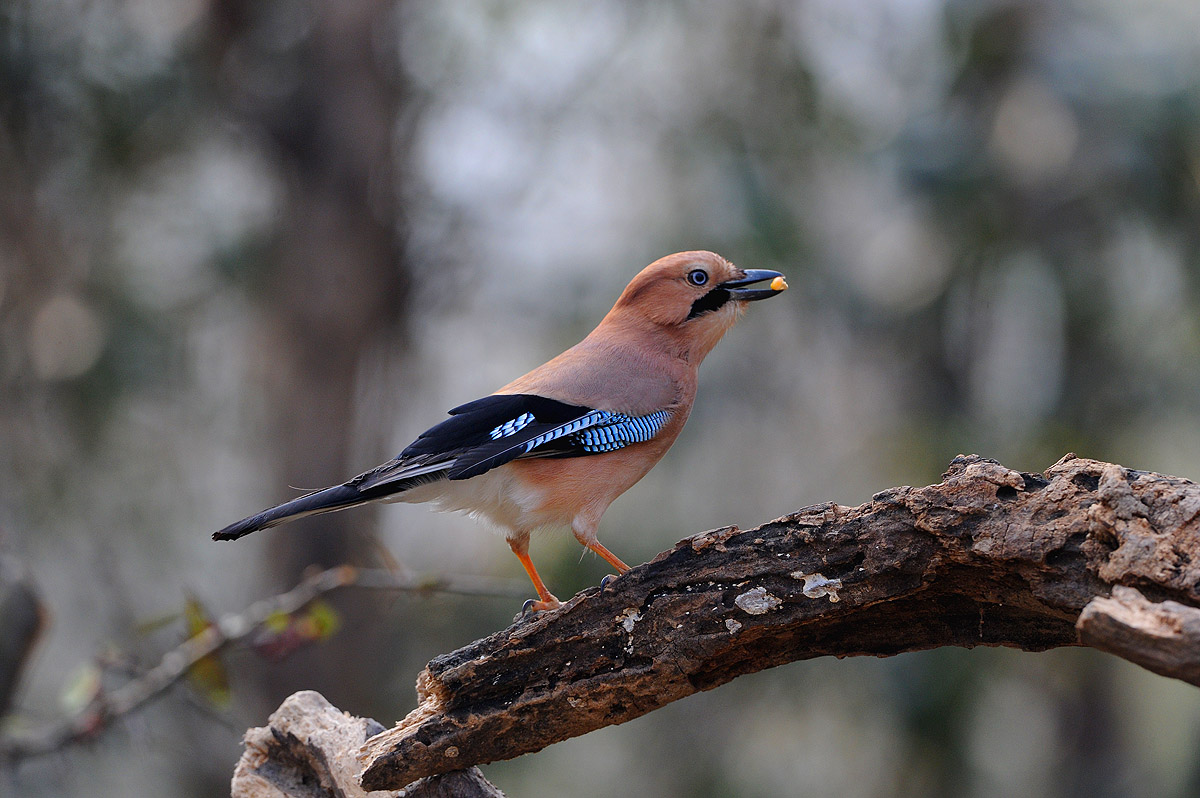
[779, 284]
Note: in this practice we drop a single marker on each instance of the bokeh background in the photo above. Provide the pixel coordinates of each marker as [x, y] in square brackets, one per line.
[247, 244]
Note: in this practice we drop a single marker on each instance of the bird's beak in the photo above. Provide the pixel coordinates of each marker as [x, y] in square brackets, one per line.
[737, 291]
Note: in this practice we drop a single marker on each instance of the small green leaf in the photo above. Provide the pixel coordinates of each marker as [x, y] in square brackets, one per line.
[277, 622]
[207, 676]
[322, 621]
[195, 616]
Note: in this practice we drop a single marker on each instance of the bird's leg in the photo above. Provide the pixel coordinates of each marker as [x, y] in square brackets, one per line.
[611, 558]
[585, 533]
[546, 599]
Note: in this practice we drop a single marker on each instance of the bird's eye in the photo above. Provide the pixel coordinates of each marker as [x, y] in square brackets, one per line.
[697, 277]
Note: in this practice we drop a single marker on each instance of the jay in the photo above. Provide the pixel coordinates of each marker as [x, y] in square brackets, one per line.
[556, 446]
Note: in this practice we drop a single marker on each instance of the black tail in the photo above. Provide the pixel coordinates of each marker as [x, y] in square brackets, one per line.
[338, 497]
[385, 481]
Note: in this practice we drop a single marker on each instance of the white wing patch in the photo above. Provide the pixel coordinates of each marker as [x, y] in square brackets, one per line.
[511, 427]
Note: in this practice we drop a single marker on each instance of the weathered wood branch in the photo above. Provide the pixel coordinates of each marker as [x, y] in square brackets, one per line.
[1163, 637]
[988, 556]
[307, 750]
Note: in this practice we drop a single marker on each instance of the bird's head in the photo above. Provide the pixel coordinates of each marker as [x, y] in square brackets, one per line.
[695, 296]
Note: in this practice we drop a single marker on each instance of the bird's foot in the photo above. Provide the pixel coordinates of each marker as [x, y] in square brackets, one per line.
[537, 605]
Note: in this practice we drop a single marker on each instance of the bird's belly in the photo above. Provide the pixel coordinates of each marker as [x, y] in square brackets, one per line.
[496, 496]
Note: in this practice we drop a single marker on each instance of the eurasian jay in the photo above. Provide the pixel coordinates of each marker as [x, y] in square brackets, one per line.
[556, 446]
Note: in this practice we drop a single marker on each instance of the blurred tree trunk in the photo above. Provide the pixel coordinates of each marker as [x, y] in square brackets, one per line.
[337, 281]
[22, 618]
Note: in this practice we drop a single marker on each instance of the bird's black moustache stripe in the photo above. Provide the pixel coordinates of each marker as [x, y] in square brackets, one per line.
[711, 301]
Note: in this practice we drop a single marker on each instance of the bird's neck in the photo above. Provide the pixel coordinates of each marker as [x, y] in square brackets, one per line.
[690, 342]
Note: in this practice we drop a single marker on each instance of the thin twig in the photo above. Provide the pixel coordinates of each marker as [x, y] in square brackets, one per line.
[229, 630]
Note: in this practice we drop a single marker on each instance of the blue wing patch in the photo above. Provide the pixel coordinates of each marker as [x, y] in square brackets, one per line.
[588, 419]
[619, 430]
[567, 431]
[594, 432]
[494, 430]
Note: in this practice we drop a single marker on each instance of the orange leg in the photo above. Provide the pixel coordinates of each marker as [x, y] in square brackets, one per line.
[585, 533]
[611, 558]
[547, 601]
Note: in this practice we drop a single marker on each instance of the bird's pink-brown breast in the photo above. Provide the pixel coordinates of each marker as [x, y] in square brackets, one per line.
[642, 358]
[569, 487]
[604, 372]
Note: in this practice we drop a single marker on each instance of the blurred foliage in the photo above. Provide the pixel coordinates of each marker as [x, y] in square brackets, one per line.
[284, 633]
[208, 676]
[245, 245]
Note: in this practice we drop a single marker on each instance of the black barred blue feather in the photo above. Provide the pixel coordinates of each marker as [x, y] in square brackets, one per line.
[589, 432]
[618, 430]
[471, 425]
[497, 429]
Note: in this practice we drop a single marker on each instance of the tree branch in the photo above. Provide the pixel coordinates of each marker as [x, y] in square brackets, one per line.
[307, 749]
[105, 707]
[989, 556]
[1163, 637]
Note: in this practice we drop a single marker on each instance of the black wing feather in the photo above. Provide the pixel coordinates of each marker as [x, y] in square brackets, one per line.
[463, 445]
[460, 447]
[466, 437]
[470, 425]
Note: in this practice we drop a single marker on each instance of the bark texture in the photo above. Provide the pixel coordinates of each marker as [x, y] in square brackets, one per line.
[1161, 637]
[988, 556]
[307, 750]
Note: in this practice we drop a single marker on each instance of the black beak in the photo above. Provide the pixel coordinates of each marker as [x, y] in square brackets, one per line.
[736, 290]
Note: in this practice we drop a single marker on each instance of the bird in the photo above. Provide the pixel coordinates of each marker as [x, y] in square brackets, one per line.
[556, 446]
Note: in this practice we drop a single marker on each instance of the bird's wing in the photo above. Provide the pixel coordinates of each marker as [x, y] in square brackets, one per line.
[589, 432]
[497, 429]
[478, 437]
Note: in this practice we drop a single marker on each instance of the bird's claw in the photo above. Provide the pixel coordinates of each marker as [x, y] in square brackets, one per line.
[533, 606]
